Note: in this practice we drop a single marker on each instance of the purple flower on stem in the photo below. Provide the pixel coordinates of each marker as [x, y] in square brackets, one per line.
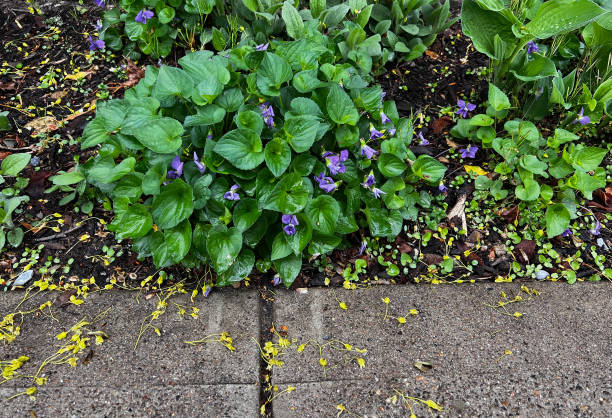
[391, 131]
[469, 152]
[196, 160]
[276, 280]
[369, 180]
[95, 45]
[532, 47]
[367, 151]
[143, 16]
[268, 114]
[363, 247]
[442, 188]
[374, 133]
[423, 141]
[377, 192]
[231, 194]
[326, 184]
[98, 25]
[207, 291]
[595, 231]
[262, 47]
[290, 222]
[566, 233]
[581, 118]
[100, 3]
[383, 118]
[334, 162]
[464, 108]
[177, 165]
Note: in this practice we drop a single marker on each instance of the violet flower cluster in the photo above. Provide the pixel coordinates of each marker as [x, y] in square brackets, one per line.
[368, 183]
[334, 161]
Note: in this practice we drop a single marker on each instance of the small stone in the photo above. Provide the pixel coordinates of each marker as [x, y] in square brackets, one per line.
[541, 274]
[35, 161]
[602, 244]
[23, 278]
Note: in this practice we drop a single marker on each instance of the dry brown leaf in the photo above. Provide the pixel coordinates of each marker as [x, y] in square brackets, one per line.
[432, 54]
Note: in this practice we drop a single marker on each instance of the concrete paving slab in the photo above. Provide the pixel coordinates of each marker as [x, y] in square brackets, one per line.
[489, 395]
[148, 401]
[566, 326]
[158, 360]
[560, 349]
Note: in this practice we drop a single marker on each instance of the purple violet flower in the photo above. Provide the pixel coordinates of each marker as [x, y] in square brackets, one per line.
[363, 247]
[383, 118]
[422, 138]
[334, 162]
[442, 188]
[207, 291]
[369, 180]
[177, 165]
[367, 151]
[98, 25]
[595, 231]
[326, 184]
[377, 192]
[231, 194]
[201, 167]
[464, 108]
[469, 152]
[290, 222]
[95, 45]
[567, 233]
[374, 133]
[391, 131]
[100, 3]
[532, 47]
[276, 280]
[143, 16]
[581, 118]
[268, 114]
[262, 47]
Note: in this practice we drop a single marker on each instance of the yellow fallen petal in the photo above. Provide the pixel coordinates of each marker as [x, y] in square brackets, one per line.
[474, 169]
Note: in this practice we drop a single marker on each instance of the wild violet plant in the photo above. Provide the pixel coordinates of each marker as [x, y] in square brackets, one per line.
[257, 155]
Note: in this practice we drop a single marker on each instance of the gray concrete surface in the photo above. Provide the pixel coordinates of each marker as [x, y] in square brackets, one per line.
[560, 362]
[164, 376]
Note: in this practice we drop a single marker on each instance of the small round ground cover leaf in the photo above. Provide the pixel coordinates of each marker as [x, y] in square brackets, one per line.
[223, 246]
[323, 213]
[242, 148]
[173, 204]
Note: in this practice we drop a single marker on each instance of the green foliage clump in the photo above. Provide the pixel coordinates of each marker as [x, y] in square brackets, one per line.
[255, 155]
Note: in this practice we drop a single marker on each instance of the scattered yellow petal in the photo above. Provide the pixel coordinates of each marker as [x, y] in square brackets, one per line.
[323, 362]
[361, 362]
[474, 169]
[401, 320]
[414, 311]
[343, 306]
[386, 300]
[517, 314]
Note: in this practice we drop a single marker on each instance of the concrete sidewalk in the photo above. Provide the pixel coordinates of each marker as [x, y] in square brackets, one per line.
[555, 360]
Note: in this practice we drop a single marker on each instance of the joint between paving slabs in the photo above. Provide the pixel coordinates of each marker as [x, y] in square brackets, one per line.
[266, 318]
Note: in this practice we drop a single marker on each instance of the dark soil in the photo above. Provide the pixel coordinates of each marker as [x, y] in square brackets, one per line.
[31, 48]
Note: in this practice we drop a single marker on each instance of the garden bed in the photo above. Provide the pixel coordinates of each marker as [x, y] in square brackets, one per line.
[51, 84]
